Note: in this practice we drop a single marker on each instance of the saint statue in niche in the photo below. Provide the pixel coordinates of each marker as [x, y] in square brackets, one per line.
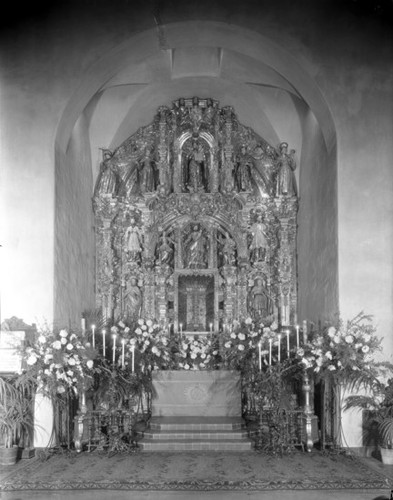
[243, 170]
[108, 181]
[132, 301]
[286, 181]
[260, 304]
[227, 250]
[195, 180]
[133, 238]
[165, 250]
[147, 174]
[196, 249]
[258, 246]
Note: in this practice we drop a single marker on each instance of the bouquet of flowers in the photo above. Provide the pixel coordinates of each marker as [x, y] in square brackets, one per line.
[147, 343]
[196, 353]
[344, 351]
[59, 363]
[241, 343]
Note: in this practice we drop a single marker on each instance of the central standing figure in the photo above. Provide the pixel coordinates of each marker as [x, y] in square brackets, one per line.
[195, 175]
[196, 249]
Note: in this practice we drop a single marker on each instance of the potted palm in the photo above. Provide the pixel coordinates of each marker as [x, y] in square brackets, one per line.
[379, 404]
[16, 419]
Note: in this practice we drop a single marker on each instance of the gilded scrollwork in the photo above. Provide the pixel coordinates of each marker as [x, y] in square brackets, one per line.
[196, 193]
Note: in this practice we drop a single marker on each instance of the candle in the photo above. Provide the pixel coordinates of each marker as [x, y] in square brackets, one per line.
[287, 343]
[103, 343]
[211, 327]
[260, 355]
[83, 324]
[279, 347]
[122, 352]
[297, 336]
[93, 329]
[181, 329]
[304, 331]
[270, 351]
[114, 348]
[133, 358]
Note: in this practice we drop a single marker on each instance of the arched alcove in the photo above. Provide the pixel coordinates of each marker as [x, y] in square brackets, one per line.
[269, 90]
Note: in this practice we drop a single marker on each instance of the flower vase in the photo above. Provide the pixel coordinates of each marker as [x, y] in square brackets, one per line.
[43, 419]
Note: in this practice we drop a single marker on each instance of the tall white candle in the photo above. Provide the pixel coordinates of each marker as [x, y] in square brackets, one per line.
[287, 343]
[132, 358]
[114, 349]
[270, 351]
[211, 327]
[279, 347]
[260, 355]
[93, 329]
[122, 352]
[103, 342]
[297, 336]
[304, 331]
[181, 329]
[83, 325]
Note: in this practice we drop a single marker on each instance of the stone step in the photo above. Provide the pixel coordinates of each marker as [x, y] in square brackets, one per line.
[196, 423]
[195, 435]
[195, 445]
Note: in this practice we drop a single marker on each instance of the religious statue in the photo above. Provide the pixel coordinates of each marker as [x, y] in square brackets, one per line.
[260, 304]
[165, 250]
[195, 249]
[243, 170]
[195, 172]
[132, 301]
[259, 244]
[286, 181]
[147, 174]
[133, 241]
[108, 181]
[228, 250]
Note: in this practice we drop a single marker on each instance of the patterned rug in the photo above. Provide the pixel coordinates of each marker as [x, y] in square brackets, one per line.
[201, 471]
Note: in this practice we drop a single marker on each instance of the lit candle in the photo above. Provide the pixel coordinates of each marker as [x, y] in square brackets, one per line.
[114, 348]
[83, 324]
[297, 336]
[93, 329]
[211, 327]
[260, 355]
[122, 352]
[270, 351]
[132, 358]
[287, 343]
[103, 342]
[304, 331]
[279, 347]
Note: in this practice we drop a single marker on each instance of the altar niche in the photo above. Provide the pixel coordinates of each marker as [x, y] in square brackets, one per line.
[196, 223]
[196, 303]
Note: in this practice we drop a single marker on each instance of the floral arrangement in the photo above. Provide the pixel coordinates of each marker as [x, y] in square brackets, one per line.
[343, 351]
[196, 353]
[147, 343]
[60, 363]
[242, 342]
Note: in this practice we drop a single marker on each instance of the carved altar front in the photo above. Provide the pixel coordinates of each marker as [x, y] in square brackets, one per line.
[196, 223]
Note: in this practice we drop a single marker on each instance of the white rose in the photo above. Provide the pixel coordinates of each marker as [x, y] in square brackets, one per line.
[186, 366]
[144, 327]
[149, 322]
[150, 330]
[240, 347]
[46, 371]
[57, 344]
[114, 329]
[367, 337]
[329, 355]
[138, 331]
[63, 333]
[72, 362]
[331, 367]
[70, 373]
[227, 344]
[349, 339]
[31, 360]
[41, 339]
[336, 339]
[140, 322]
[248, 321]
[331, 332]
[63, 340]
[242, 336]
[193, 355]
[365, 348]
[233, 335]
[90, 364]
[126, 329]
[60, 389]
[121, 324]
[70, 347]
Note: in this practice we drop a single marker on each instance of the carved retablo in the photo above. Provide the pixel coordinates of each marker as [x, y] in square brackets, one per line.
[196, 222]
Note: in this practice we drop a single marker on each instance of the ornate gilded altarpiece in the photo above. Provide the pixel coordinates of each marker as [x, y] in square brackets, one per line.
[196, 223]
